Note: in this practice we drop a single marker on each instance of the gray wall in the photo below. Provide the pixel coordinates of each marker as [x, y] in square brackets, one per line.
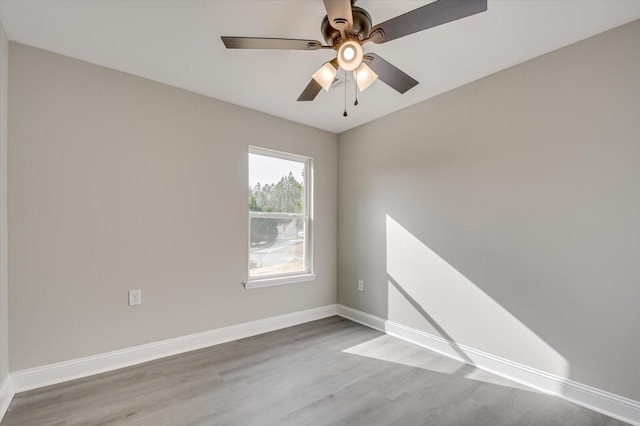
[505, 215]
[116, 183]
[4, 281]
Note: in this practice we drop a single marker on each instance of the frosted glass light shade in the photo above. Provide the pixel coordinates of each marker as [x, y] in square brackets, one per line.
[350, 55]
[364, 76]
[325, 75]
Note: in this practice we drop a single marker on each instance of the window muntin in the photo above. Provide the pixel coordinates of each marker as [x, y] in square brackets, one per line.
[279, 214]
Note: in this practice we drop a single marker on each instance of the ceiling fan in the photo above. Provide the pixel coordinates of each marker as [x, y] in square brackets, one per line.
[346, 28]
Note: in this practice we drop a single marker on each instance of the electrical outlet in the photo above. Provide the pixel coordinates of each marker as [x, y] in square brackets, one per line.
[135, 297]
[360, 285]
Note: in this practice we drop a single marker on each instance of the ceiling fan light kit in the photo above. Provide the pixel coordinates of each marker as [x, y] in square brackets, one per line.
[350, 55]
[364, 76]
[325, 75]
[346, 28]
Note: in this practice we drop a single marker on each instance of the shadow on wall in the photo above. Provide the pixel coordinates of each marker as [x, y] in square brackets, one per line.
[441, 331]
[427, 293]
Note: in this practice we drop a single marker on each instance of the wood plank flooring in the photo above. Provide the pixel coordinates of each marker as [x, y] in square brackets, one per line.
[327, 372]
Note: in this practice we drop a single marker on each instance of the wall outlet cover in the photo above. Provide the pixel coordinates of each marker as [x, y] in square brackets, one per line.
[135, 297]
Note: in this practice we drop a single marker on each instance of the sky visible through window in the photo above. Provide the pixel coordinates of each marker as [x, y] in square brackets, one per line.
[269, 170]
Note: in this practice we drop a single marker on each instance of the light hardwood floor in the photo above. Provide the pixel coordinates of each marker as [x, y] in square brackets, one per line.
[327, 372]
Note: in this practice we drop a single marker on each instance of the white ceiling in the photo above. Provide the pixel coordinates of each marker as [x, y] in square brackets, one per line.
[178, 43]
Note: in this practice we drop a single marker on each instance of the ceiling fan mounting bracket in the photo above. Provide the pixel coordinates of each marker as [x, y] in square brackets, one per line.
[377, 36]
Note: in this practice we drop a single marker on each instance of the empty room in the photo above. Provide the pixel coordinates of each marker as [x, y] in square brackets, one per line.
[308, 212]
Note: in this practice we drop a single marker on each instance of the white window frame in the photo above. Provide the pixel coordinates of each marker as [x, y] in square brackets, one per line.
[306, 215]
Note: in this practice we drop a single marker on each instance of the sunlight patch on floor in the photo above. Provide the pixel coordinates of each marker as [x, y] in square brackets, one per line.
[390, 349]
[486, 377]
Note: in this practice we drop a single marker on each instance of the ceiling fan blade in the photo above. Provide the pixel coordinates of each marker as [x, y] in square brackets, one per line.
[339, 14]
[310, 92]
[428, 16]
[270, 43]
[389, 74]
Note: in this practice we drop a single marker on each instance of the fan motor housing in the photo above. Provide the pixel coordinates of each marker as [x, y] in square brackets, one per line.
[360, 29]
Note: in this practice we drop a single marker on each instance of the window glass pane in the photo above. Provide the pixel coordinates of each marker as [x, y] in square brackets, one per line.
[276, 246]
[275, 185]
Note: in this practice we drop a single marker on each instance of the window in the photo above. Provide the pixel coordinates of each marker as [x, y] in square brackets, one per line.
[279, 218]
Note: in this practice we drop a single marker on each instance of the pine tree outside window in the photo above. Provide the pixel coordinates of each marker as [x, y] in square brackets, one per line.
[279, 218]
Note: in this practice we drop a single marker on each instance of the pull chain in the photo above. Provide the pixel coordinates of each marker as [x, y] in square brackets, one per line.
[356, 86]
[345, 95]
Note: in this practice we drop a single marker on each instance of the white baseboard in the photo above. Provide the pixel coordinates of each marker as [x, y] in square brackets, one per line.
[616, 406]
[46, 375]
[607, 403]
[7, 391]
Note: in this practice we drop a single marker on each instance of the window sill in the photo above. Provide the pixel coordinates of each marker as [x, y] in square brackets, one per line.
[268, 282]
